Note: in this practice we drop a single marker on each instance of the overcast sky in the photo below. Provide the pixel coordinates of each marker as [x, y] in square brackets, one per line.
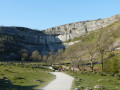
[43, 14]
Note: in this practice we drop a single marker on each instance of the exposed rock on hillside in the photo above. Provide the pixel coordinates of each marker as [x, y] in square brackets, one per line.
[71, 30]
[13, 39]
[23, 38]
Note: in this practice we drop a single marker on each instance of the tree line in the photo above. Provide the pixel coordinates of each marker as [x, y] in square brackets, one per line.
[49, 59]
[94, 48]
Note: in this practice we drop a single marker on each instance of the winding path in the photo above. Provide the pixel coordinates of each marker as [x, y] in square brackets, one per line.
[62, 82]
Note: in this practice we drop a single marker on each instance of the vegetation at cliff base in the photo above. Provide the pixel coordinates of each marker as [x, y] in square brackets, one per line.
[93, 60]
[99, 46]
[97, 59]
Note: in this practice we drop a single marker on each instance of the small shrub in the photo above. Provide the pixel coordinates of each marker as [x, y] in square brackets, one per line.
[65, 29]
[56, 67]
[74, 28]
[102, 73]
[18, 78]
[117, 77]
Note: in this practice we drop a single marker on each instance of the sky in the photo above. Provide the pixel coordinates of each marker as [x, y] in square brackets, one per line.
[43, 14]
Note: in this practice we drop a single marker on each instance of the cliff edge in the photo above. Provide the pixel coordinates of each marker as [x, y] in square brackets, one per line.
[13, 39]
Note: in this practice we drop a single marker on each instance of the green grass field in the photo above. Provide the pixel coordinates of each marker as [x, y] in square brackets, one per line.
[88, 79]
[26, 76]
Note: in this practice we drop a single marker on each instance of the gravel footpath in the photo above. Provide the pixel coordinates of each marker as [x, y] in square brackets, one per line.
[62, 82]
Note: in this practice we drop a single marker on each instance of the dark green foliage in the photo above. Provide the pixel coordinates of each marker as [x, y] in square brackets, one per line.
[112, 65]
[56, 67]
[74, 28]
[65, 29]
[115, 65]
[5, 84]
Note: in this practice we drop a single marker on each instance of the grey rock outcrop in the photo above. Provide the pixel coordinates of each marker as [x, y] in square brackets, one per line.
[72, 30]
[31, 39]
[50, 39]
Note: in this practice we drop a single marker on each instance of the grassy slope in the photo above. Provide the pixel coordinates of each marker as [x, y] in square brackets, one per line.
[113, 29]
[27, 75]
[88, 79]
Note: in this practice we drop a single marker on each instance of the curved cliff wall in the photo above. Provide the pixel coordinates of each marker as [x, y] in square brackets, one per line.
[49, 39]
[72, 30]
[31, 40]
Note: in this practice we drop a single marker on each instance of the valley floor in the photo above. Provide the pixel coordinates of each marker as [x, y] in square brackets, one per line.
[25, 76]
[62, 82]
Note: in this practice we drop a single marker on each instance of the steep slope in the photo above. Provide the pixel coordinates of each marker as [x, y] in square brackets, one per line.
[72, 30]
[25, 38]
[112, 31]
[99, 50]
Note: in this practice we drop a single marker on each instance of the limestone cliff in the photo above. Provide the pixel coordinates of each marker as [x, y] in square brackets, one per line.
[71, 30]
[30, 39]
[16, 38]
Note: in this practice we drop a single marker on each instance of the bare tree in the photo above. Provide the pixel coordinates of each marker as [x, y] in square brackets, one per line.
[103, 45]
[76, 54]
[51, 58]
[23, 54]
[91, 50]
[59, 56]
[36, 56]
[80, 55]
[45, 59]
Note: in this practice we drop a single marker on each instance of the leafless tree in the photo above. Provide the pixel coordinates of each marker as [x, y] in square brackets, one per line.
[59, 56]
[23, 54]
[76, 54]
[45, 59]
[51, 59]
[36, 56]
[103, 45]
[91, 50]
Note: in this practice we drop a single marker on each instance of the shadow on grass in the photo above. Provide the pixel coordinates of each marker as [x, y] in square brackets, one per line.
[18, 87]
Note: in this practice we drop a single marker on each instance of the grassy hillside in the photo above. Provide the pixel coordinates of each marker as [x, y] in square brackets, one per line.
[96, 49]
[90, 80]
[92, 44]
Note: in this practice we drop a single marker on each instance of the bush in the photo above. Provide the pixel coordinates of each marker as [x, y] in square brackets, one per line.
[102, 73]
[112, 65]
[18, 78]
[56, 67]
[117, 77]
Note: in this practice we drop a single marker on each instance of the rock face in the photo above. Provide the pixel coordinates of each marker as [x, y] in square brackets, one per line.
[71, 30]
[30, 40]
[16, 38]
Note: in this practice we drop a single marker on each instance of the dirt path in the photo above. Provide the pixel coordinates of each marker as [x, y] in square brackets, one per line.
[62, 82]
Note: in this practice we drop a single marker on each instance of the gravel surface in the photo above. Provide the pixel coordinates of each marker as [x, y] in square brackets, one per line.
[62, 82]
